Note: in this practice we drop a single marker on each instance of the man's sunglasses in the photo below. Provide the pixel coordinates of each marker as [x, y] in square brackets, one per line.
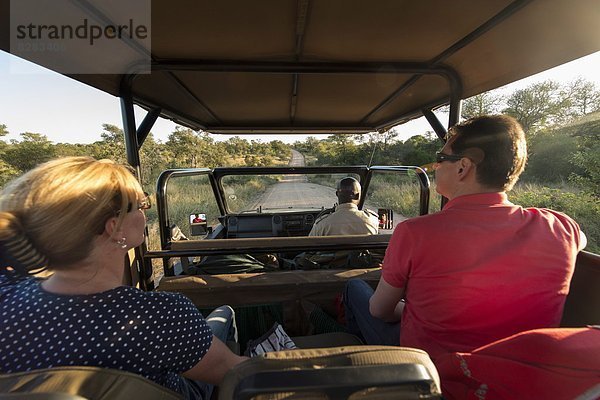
[441, 157]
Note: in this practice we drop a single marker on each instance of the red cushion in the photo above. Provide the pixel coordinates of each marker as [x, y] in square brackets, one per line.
[556, 363]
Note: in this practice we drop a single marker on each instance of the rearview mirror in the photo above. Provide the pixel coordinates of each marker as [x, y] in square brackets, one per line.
[386, 218]
[198, 225]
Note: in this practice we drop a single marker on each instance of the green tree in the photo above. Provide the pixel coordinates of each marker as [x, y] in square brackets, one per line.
[7, 171]
[153, 160]
[210, 154]
[340, 150]
[73, 149]
[237, 146]
[112, 145]
[583, 96]
[182, 145]
[280, 149]
[307, 147]
[537, 106]
[3, 132]
[189, 149]
[33, 149]
[419, 150]
[481, 104]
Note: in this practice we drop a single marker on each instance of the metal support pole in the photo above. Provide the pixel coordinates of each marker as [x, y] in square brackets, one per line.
[144, 129]
[143, 266]
[455, 110]
[435, 123]
[130, 132]
[453, 119]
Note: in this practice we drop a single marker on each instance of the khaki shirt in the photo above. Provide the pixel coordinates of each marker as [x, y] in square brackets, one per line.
[346, 220]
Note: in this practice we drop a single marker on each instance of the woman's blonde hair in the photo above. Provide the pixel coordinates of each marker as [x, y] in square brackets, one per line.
[50, 215]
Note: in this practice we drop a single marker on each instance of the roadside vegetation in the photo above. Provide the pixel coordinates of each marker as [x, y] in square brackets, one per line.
[562, 123]
[183, 149]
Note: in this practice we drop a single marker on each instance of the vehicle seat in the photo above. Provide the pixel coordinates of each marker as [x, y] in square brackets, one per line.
[582, 306]
[548, 363]
[365, 372]
[40, 396]
[91, 383]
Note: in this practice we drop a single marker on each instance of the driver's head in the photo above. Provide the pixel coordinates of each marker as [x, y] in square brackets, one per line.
[348, 191]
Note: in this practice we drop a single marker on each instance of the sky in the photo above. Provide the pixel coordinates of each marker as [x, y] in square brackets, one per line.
[34, 99]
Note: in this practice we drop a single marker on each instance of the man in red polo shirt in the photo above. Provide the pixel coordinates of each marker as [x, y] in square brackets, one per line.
[479, 270]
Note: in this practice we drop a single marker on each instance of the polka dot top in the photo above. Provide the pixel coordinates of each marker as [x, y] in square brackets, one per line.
[158, 335]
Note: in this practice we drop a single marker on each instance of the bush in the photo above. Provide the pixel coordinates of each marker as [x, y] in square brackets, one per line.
[550, 158]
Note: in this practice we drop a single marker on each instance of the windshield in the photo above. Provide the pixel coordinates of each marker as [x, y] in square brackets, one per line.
[280, 193]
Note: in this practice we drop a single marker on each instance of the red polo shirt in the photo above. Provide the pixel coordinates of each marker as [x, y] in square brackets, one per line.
[480, 270]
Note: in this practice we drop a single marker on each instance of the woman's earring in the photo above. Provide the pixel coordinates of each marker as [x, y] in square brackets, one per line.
[122, 242]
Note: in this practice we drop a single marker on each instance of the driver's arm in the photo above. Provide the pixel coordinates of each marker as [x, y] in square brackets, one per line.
[317, 228]
[386, 302]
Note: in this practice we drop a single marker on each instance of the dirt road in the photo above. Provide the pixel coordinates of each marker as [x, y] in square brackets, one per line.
[294, 191]
[297, 159]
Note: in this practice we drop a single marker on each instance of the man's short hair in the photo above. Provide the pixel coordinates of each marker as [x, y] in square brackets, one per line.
[502, 140]
[348, 189]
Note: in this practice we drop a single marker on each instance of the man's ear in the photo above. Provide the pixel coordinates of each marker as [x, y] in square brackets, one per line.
[464, 166]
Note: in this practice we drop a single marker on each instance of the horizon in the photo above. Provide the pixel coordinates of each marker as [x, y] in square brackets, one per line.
[41, 101]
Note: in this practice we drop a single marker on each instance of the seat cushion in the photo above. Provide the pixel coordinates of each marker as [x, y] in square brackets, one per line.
[551, 363]
[353, 362]
[89, 382]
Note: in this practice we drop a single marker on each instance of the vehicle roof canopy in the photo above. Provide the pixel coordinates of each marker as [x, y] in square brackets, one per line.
[239, 66]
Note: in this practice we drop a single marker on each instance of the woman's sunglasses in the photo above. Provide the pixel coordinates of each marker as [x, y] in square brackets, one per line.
[143, 204]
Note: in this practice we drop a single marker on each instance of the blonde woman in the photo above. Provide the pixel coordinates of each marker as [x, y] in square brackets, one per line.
[78, 217]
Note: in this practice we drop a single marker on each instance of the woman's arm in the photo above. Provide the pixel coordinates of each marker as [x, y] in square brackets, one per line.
[215, 363]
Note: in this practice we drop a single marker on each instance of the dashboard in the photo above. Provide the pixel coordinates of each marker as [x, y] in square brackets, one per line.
[269, 225]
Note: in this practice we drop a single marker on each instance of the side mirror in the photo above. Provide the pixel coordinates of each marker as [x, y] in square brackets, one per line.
[386, 218]
[198, 224]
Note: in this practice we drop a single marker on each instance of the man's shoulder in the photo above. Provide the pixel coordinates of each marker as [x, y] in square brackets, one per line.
[421, 225]
[552, 216]
[546, 212]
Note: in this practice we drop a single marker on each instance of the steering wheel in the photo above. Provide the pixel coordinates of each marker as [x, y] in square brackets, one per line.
[326, 211]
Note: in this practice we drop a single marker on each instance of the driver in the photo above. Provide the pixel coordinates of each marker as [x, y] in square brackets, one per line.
[347, 219]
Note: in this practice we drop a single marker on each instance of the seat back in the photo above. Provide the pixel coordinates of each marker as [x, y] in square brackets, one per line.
[582, 306]
[265, 288]
[363, 372]
[88, 382]
[40, 396]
